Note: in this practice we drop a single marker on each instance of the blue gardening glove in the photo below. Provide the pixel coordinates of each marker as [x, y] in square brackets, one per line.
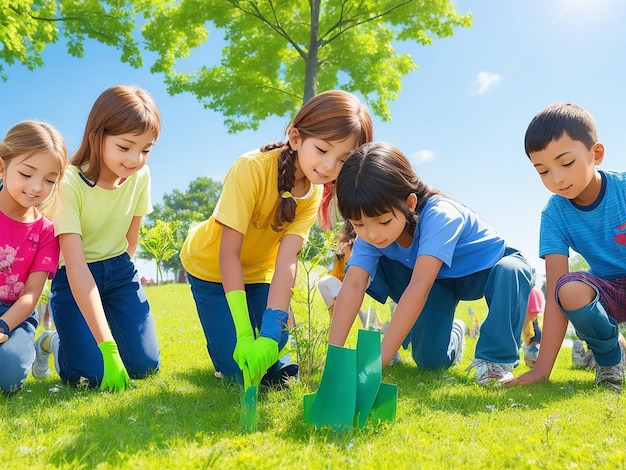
[273, 324]
[115, 377]
[266, 351]
[243, 329]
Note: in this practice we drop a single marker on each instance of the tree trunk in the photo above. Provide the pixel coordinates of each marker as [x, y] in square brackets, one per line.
[310, 77]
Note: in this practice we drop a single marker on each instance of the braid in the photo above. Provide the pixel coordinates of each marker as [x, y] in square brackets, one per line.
[286, 208]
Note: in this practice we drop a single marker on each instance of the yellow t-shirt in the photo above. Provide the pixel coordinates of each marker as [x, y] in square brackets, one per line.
[247, 205]
[101, 216]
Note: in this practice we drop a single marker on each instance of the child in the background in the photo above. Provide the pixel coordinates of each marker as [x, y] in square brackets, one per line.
[105, 327]
[586, 214]
[32, 161]
[427, 252]
[531, 332]
[330, 284]
[241, 262]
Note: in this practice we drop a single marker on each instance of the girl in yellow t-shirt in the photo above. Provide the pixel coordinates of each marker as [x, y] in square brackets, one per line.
[241, 262]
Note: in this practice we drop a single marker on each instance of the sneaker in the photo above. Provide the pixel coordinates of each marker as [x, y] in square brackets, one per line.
[612, 377]
[491, 373]
[41, 369]
[457, 338]
[530, 354]
[396, 359]
[582, 359]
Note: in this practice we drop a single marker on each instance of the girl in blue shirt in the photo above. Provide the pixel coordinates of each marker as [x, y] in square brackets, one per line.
[427, 252]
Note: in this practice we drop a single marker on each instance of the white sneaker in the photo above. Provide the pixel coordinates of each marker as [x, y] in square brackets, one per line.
[458, 333]
[41, 368]
[612, 377]
[530, 354]
[582, 359]
[491, 373]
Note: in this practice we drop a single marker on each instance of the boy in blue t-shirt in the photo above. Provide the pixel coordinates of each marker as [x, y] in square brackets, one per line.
[586, 214]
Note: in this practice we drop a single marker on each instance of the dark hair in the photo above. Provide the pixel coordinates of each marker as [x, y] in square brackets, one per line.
[333, 115]
[28, 138]
[378, 178]
[118, 110]
[557, 119]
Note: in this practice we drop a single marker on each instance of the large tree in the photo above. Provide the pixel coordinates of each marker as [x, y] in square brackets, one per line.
[28, 26]
[277, 53]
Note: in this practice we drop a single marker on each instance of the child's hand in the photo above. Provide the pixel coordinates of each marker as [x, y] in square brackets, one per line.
[115, 377]
[530, 377]
[4, 331]
[263, 356]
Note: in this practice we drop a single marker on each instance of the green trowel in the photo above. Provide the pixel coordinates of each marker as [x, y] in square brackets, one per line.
[249, 394]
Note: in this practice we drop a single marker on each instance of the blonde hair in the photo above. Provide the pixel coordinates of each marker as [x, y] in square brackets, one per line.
[118, 110]
[28, 138]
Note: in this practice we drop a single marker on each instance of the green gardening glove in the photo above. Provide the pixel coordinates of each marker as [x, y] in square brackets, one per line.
[115, 377]
[265, 352]
[243, 329]
[263, 356]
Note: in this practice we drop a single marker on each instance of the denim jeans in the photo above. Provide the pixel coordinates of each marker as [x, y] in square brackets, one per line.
[127, 312]
[505, 286]
[17, 353]
[219, 329]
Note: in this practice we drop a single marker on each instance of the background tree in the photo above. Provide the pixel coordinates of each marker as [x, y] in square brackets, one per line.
[185, 208]
[159, 242]
[277, 54]
[28, 26]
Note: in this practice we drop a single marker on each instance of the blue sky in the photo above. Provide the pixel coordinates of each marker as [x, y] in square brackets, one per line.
[461, 116]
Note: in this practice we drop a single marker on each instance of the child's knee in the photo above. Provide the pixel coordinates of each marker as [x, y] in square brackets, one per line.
[574, 295]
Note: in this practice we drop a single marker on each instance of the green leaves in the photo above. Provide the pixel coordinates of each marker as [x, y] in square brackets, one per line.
[279, 54]
[28, 26]
[246, 59]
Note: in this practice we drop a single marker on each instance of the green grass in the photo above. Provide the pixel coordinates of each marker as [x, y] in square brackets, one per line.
[184, 417]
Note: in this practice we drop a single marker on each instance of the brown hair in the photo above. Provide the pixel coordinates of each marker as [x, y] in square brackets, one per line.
[28, 138]
[118, 110]
[378, 178]
[333, 115]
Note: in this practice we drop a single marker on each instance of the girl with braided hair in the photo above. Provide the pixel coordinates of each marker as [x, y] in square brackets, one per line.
[241, 262]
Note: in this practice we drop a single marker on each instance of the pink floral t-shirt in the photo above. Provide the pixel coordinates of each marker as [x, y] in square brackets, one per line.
[25, 247]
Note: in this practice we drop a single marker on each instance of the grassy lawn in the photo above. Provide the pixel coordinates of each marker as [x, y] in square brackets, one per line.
[185, 417]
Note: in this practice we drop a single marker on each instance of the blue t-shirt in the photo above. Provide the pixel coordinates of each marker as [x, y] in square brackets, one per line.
[597, 232]
[446, 230]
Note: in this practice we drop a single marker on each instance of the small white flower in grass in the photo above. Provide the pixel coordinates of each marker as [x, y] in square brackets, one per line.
[492, 408]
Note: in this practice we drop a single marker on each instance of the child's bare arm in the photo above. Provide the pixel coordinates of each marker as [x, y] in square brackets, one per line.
[554, 325]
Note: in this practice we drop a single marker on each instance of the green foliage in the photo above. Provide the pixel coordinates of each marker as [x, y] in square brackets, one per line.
[310, 340]
[279, 54]
[578, 263]
[183, 209]
[28, 26]
[185, 418]
[159, 243]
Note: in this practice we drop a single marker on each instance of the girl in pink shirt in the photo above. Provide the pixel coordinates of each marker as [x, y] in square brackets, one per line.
[32, 162]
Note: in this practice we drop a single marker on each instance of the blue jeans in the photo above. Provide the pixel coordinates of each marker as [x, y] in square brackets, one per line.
[505, 286]
[127, 311]
[17, 353]
[219, 328]
[598, 329]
